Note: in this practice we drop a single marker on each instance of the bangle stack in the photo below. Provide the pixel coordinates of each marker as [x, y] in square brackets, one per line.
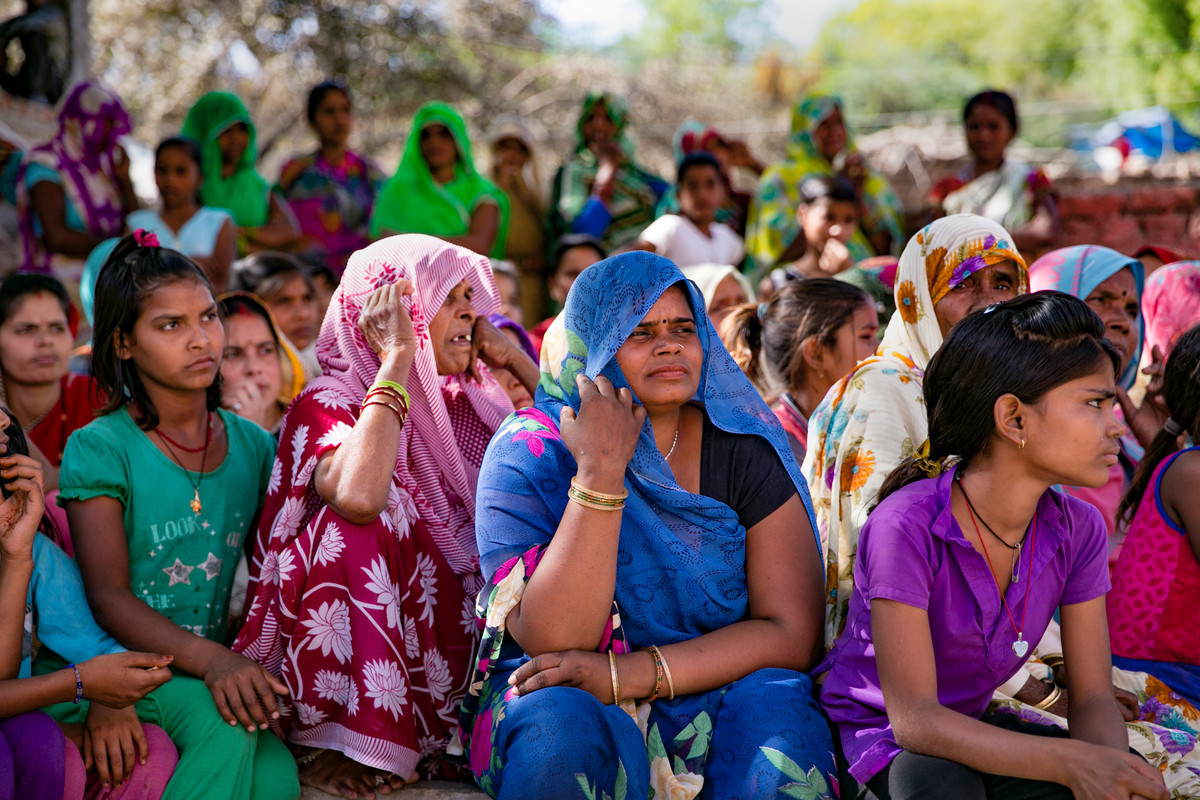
[78, 683]
[597, 500]
[616, 682]
[658, 671]
[1049, 700]
[390, 395]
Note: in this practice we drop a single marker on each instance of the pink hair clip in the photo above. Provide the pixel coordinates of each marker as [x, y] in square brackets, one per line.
[146, 238]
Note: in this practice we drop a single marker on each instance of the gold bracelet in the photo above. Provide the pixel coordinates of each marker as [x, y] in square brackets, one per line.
[1049, 699]
[666, 673]
[590, 500]
[599, 497]
[612, 666]
[658, 672]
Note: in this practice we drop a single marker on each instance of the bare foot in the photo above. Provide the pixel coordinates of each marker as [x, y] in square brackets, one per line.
[334, 773]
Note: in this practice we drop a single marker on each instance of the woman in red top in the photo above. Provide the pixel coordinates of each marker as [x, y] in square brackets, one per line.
[37, 330]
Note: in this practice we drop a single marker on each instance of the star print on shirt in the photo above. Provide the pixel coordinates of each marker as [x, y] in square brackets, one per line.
[179, 573]
[211, 566]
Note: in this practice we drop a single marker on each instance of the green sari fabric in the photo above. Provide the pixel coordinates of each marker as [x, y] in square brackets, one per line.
[413, 202]
[773, 225]
[244, 194]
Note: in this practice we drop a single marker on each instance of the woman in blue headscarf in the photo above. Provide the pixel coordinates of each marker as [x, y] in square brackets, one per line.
[1111, 284]
[655, 588]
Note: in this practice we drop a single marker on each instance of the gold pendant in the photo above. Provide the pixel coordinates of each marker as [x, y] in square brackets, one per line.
[196, 507]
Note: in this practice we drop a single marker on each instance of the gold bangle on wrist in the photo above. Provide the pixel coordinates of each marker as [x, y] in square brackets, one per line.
[1049, 699]
[597, 500]
[616, 682]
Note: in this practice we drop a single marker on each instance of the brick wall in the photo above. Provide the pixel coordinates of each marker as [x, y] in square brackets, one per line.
[1128, 215]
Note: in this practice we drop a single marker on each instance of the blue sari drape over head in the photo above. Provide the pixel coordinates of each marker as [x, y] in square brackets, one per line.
[681, 573]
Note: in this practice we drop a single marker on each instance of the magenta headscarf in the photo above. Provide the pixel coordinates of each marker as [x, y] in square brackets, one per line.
[429, 449]
[1171, 304]
[90, 122]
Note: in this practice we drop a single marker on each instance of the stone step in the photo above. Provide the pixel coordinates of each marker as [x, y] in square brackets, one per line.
[422, 790]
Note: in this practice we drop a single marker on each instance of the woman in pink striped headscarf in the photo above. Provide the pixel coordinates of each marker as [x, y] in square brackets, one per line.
[364, 579]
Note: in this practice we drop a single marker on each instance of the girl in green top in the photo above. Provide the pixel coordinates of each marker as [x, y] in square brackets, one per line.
[437, 190]
[161, 490]
[221, 125]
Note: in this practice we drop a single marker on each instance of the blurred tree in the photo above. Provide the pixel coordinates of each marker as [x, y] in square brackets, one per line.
[723, 30]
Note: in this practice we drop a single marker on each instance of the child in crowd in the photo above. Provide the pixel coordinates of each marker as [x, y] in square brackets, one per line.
[1019, 398]
[572, 254]
[206, 235]
[121, 757]
[37, 329]
[167, 485]
[286, 288]
[801, 342]
[693, 236]
[829, 214]
[1156, 582]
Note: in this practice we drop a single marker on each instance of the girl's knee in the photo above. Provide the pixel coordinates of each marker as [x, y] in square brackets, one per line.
[275, 773]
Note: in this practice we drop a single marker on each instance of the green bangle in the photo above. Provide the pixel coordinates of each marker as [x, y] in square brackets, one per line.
[395, 386]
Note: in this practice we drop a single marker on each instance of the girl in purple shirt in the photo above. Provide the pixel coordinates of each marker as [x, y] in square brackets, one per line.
[963, 563]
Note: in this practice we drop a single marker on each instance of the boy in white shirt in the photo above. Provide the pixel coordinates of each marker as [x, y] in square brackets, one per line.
[694, 236]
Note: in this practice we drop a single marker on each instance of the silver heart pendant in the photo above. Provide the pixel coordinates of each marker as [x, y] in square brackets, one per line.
[1020, 647]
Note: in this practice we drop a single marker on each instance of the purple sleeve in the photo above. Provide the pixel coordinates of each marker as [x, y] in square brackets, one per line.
[895, 556]
[1088, 578]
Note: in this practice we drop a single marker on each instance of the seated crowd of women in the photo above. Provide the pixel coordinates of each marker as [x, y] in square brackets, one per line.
[664, 544]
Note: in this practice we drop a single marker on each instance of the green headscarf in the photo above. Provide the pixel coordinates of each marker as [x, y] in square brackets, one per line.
[618, 112]
[244, 193]
[413, 202]
[807, 114]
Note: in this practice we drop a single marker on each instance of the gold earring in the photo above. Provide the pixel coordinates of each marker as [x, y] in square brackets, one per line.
[1021, 446]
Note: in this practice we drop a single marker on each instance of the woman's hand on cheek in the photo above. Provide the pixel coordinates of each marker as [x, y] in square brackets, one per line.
[21, 512]
[245, 400]
[604, 434]
[490, 345]
[578, 668]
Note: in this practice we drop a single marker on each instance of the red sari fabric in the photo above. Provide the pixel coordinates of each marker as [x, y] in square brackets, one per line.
[372, 626]
[75, 408]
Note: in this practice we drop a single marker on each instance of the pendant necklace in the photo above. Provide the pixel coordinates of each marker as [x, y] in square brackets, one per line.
[975, 515]
[1020, 646]
[195, 504]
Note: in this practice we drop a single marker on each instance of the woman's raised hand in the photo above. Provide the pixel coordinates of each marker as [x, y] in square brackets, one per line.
[21, 512]
[604, 434]
[119, 679]
[386, 323]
